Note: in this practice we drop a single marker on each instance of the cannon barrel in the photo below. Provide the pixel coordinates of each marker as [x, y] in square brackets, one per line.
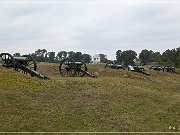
[34, 73]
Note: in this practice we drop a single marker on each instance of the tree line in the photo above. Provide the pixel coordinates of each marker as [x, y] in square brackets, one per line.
[169, 57]
[42, 55]
[128, 57]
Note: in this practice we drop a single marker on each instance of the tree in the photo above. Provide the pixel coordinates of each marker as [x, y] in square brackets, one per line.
[71, 54]
[51, 57]
[44, 54]
[168, 56]
[157, 57]
[128, 57]
[78, 56]
[172, 57]
[38, 52]
[17, 55]
[62, 55]
[177, 56]
[86, 58]
[40, 55]
[118, 56]
[103, 58]
[146, 56]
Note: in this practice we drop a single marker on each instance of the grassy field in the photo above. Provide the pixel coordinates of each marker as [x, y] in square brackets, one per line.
[117, 100]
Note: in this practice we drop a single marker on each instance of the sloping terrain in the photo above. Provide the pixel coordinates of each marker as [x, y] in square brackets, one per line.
[116, 101]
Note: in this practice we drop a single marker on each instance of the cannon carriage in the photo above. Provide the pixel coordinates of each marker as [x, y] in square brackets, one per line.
[169, 69]
[138, 69]
[25, 64]
[114, 66]
[156, 68]
[71, 68]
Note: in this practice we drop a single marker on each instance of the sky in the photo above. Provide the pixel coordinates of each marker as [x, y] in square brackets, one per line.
[89, 26]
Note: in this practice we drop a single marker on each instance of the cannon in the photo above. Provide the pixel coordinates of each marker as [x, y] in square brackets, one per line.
[170, 69]
[114, 66]
[164, 69]
[156, 68]
[138, 69]
[25, 64]
[71, 68]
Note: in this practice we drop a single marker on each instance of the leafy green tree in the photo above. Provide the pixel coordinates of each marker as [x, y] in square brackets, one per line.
[168, 57]
[157, 57]
[78, 56]
[40, 55]
[86, 58]
[128, 56]
[44, 54]
[146, 56]
[51, 57]
[103, 58]
[17, 55]
[38, 52]
[118, 56]
[172, 57]
[61, 55]
[71, 55]
[177, 56]
[64, 54]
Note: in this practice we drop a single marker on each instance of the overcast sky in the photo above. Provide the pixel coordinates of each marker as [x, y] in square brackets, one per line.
[89, 26]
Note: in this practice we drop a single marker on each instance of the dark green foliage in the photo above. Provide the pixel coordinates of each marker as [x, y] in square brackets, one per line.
[103, 58]
[17, 55]
[51, 57]
[118, 56]
[86, 58]
[169, 57]
[157, 57]
[78, 56]
[61, 55]
[146, 56]
[40, 55]
[172, 57]
[71, 54]
[128, 57]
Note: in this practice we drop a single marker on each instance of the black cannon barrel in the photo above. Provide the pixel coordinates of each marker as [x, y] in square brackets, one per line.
[34, 73]
[88, 73]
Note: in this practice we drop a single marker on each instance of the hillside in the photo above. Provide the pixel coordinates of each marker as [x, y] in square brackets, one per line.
[115, 101]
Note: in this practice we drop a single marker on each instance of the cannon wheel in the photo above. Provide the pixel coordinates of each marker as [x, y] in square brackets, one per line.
[7, 60]
[31, 63]
[67, 68]
[80, 68]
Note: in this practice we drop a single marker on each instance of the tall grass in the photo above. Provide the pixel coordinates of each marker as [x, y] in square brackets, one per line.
[116, 101]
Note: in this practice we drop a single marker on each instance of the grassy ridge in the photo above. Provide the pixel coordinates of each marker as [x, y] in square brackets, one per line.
[116, 101]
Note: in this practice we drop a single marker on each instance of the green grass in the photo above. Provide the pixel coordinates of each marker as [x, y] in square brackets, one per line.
[116, 101]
